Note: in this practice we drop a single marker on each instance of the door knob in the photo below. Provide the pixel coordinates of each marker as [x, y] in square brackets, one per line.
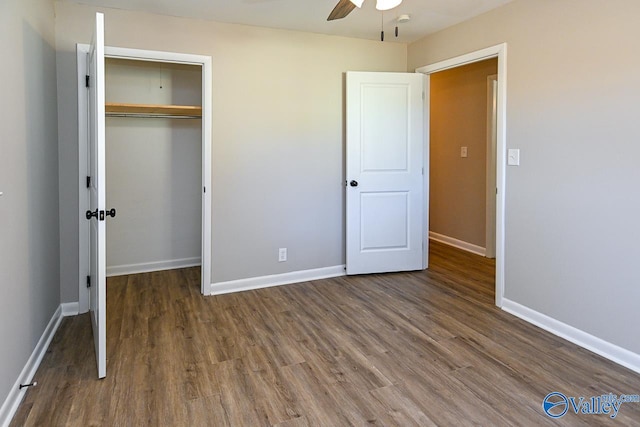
[90, 214]
[353, 183]
[111, 212]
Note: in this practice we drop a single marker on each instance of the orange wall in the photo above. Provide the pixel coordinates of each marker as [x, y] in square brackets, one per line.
[459, 119]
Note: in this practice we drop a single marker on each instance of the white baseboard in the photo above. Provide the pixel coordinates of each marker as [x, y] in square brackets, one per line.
[465, 246]
[70, 309]
[11, 403]
[592, 343]
[121, 270]
[276, 280]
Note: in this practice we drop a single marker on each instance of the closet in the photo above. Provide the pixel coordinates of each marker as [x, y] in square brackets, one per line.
[153, 165]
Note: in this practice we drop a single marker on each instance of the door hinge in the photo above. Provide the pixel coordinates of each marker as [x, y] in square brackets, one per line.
[86, 80]
[88, 181]
[88, 281]
[422, 94]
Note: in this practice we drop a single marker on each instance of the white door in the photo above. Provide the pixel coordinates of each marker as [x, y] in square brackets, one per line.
[97, 214]
[385, 161]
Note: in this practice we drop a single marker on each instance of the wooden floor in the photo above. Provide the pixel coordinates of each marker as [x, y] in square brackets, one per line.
[424, 348]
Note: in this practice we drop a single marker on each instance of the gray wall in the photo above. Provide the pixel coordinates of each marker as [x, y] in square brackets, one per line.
[153, 166]
[29, 247]
[458, 118]
[572, 207]
[278, 164]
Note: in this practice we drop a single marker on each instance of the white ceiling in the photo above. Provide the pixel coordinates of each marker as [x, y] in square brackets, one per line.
[427, 16]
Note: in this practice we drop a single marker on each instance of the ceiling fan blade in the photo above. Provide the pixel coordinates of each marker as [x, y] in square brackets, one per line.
[342, 9]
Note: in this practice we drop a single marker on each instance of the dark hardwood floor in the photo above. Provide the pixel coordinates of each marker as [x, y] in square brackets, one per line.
[424, 348]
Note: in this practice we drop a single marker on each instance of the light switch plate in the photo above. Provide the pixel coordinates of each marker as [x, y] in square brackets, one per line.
[513, 157]
[463, 152]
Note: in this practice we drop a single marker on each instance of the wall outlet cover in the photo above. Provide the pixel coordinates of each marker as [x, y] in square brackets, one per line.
[513, 157]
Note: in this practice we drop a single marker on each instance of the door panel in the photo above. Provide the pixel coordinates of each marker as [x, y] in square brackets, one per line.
[385, 143]
[385, 140]
[391, 209]
[98, 294]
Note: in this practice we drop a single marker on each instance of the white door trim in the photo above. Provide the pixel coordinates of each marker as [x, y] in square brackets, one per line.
[498, 51]
[426, 170]
[490, 191]
[207, 108]
[84, 269]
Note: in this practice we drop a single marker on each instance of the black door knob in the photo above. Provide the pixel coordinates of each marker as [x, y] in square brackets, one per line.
[353, 183]
[111, 212]
[90, 214]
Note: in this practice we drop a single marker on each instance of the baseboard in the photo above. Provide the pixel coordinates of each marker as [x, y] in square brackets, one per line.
[11, 403]
[121, 270]
[610, 351]
[465, 246]
[276, 280]
[70, 309]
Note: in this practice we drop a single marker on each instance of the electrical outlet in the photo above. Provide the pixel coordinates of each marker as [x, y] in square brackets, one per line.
[463, 151]
[282, 254]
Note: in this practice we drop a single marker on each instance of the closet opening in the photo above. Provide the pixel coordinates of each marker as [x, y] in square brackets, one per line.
[158, 163]
[153, 165]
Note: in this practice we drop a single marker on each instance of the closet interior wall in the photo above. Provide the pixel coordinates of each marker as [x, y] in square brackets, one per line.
[153, 169]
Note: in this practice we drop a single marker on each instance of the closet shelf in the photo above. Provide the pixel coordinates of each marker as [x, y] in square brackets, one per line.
[113, 109]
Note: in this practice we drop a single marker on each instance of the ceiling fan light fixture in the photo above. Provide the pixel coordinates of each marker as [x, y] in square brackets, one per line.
[386, 4]
[358, 3]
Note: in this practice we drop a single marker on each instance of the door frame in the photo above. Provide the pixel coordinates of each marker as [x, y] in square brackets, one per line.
[207, 108]
[490, 209]
[498, 51]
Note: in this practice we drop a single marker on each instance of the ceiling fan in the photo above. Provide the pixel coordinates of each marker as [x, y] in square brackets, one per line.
[344, 7]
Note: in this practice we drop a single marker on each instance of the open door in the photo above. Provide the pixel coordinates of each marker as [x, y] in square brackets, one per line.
[97, 214]
[385, 167]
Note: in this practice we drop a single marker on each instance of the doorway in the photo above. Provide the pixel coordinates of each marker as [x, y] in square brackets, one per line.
[462, 175]
[499, 52]
[205, 65]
